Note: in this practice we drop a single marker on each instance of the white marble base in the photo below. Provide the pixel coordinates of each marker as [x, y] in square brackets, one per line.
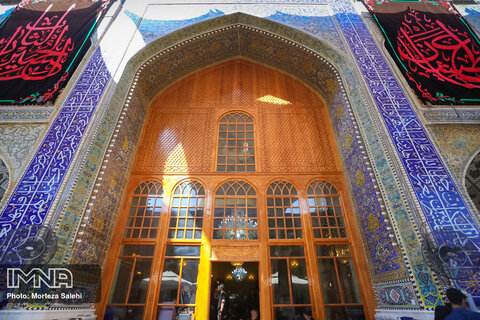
[384, 314]
[81, 314]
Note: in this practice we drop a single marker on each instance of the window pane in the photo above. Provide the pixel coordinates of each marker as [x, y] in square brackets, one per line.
[291, 313]
[189, 281]
[189, 202]
[119, 290]
[147, 202]
[348, 279]
[322, 204]
[170, 278]
[328, 276]
[333, 251]
[182, 251]
[141, 278]
[286, 251]
[280, 282]
[231, 212]
[283, 207]
[166, 312]
[140, 250]
[239, 144]
[298, 274]
[282, 313]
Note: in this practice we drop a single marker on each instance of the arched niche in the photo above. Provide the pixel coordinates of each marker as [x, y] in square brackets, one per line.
[176, 55]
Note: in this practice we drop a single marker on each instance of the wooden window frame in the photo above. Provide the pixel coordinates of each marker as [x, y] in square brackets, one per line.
[225, 196]
[292, 194]
[228, 140]
[325, 198]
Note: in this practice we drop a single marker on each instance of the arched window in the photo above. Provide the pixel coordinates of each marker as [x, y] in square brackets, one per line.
[236, 148]
[132, 275]
[144, 213]
[283, 211]
[186, 216]
[235, 215]
[472, 181]
[325, 211]
[4, 179]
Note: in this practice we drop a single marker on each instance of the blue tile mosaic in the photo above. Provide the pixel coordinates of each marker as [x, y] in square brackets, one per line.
[385, 261]
[154, 29]
[438, 195]
[439, 198]
[323, 26]
[39, 185]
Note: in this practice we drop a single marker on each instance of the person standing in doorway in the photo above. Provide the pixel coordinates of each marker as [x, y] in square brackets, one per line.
[221, 300]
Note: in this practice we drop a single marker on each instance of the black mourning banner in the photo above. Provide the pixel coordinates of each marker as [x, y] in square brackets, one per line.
[434, 48]
[41, 43]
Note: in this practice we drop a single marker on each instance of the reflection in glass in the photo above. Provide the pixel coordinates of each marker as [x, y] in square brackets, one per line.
[280, 281]
[236, 214]
[187, 203]
[324, 203]
[166, 312]
[187, 251]
[333, 251]
[290, 313]
[146, 200]
[141, 278]
[346, 273]
[120, 287]
[299, 280]
[331, 293]
[170, 279]
[286, 251]
[282, 203]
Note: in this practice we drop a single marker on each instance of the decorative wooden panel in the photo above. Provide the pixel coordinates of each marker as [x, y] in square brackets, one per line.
[294, 141]
[176, 140]
[292, 125]
[235, 82]
[236, 253]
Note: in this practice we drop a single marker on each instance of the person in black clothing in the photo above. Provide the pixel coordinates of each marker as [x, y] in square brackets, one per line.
[221, 301]
[306, 315]
[441, 312]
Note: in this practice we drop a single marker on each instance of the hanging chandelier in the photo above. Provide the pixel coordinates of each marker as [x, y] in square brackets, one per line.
[239, 273]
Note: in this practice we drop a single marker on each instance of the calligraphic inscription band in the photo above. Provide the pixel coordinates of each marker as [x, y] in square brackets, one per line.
[40, 183]
[436, 191]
